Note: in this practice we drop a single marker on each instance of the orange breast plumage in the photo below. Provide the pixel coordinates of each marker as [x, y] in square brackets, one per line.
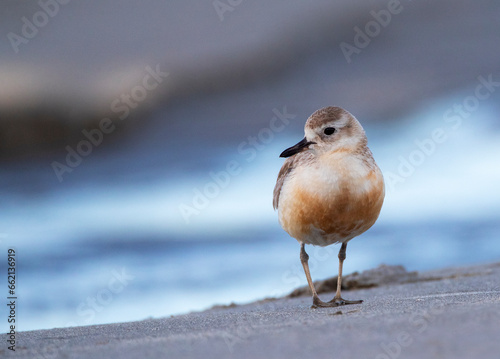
[325, 203]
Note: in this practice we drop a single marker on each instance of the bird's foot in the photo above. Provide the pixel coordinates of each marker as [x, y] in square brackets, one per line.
[318, 303]
[341, 301]
[335, 302]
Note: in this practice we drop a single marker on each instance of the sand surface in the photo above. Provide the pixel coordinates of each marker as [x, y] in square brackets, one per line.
[450, 313]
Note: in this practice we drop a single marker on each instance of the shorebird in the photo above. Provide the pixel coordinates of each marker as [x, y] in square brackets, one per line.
[329, 189]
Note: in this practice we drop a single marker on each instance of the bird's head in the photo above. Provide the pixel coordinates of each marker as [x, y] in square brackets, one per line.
[329, 129]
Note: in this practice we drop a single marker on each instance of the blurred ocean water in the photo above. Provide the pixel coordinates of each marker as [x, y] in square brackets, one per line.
[113, 250]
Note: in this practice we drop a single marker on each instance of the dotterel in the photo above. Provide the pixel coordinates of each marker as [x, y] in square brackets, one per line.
[329, 189]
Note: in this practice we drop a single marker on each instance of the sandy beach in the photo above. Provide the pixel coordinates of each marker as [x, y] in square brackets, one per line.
[449, 313]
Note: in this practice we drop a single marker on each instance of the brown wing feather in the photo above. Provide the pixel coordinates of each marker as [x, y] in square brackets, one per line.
[287, 167]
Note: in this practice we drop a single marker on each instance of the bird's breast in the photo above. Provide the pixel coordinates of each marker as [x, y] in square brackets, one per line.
[328, 203]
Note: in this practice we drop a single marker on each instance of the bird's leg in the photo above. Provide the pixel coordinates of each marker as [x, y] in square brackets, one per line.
[304, 258]
[338, 299]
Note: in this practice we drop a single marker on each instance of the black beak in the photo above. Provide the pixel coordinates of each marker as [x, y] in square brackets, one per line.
[299, 147]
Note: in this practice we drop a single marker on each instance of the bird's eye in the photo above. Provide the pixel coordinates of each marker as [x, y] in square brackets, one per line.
[329, 130]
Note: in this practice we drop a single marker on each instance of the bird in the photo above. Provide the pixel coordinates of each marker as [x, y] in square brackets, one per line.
[329, 189]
